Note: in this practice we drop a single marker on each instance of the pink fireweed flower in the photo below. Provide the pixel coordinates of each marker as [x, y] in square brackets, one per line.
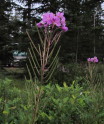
[40, 24]
[63, 22]
[64, 29]
[50, 19]
[94, 59]
[89, 59]
[57, 21]
[60, 14]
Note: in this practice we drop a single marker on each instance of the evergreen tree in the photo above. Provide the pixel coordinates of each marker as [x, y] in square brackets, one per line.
[5, 37]
[85, 25]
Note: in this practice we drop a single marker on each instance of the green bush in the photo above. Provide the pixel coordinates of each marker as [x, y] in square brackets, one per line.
[72, 71]
[71, 105]
[13, 104]
[65, 104]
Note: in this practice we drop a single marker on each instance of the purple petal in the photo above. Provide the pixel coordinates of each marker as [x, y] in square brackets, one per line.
[64, 29]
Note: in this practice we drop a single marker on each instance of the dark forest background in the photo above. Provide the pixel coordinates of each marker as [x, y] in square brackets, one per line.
[85, 20]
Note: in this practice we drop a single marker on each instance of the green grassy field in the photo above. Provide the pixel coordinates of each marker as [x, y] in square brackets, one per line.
[65, 104]
[15, 74]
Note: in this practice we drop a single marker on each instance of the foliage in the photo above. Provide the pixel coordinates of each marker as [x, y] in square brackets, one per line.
[15, 105]
[72, 105]
[63, 104]
[59, 104]
[10, 102]
[5, 48]
[70, 72]
[94, 111]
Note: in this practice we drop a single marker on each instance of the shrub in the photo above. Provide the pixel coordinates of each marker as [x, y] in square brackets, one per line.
[58, 105]
[71, 105]
[13, 104]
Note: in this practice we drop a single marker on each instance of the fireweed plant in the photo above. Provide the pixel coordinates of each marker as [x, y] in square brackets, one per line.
[43, 57]
[91, 68]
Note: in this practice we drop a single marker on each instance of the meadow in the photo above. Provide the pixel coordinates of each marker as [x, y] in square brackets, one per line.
[69, 102]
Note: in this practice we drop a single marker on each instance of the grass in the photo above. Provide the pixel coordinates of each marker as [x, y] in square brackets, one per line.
[15, 74]
[89, 104]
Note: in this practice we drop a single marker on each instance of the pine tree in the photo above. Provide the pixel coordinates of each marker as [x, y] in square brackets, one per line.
[5, 38]
[85, 25]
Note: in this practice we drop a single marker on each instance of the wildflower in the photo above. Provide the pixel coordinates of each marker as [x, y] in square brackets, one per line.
[40, 24]
[63, 21]
[94, 59]
[51, 20]
[89, 59]
[65, 28]
[57, 21]
[48, 18]
[60, 14]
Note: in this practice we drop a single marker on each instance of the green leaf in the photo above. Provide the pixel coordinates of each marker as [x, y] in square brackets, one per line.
[5, 112]
[73, 96]
[58, 87]
[65, 85]
[65, 100]
[43, 114]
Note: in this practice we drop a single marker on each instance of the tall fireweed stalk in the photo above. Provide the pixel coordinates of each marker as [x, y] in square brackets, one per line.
[91, 68]
[44, 56]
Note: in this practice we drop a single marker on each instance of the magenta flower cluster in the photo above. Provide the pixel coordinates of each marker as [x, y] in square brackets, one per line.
[94, 59]
[51, 19]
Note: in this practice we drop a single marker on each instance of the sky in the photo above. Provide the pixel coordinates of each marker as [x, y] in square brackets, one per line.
[16, 1]
[37, 5]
